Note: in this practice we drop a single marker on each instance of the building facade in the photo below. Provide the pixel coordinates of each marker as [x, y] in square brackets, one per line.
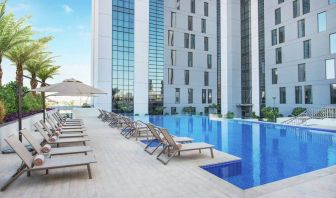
[181, 56]
[300, 42]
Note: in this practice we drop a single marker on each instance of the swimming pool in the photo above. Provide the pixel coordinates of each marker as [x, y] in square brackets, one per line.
[268, 152]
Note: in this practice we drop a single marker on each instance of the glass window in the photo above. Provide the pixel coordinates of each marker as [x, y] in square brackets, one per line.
[209, 61]
[203, 26]
[306, 49]
[203, 96]
[278, 55]
[322, 21]
[296, 8]
[178, 4]
[173, 19]
[186, 77]
[206, 9]
[192, 41]
[206, 78]
[302, 72]
[308, 94]
[190, 59]
[282, 95]
[280, 1]
[190, 96]
[206, 43]
[192, 6]
[277, 16]
[186, 40]
[173, 57]
[177, 95]
[274, 76]
[301, 28]
[282, 34]
[209, 96]
[170, 76]
[330, 68]
[332, 43]
[305, 6]
[298, 95]
[274, 37]
[190, 23]
[170, 38]
[333, 94]
[173, 111]
[332, 1]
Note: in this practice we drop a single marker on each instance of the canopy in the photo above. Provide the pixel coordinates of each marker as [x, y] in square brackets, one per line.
[71, 87]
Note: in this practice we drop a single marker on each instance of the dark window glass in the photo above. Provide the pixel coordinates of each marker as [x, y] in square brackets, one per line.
[333, 93]
[306, 49]
[206, 9]
[206, 43]
[274, 76]
[178, 4]
[203, 96]
[206, 78]
[203, 24]
[305, 6]
[173, 110]
[301, 28]
[278, 55]
[186, 77]
[274, 37]
[173, 57]
[190, 59]
[282, 95]
[190, 23]
[280, 1]
[190, 96]
[277, 16]
[209, 96]
[282, 34]
[296, 8]
[192, 41]
[308, 94]
[192, 6]
[302, 72]
[170, 76]
[177, 95]
[186, 40]
[298, 95]
[209, 61]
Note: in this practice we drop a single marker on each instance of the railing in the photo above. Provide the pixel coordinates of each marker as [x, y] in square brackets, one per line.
[312, 113]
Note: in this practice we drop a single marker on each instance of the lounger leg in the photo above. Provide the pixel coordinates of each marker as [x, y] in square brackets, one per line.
[47, 171]
[211, 151]
[18, 173]
[28, 173]
[200, 151]
[84, 143]
[89, 171]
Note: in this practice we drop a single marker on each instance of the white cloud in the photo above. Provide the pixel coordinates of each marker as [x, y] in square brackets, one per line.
[48, 29]
[67, 9]
[19, 7]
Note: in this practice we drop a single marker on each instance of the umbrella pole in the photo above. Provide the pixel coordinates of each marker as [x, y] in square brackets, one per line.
[19, 103]
[44, 106]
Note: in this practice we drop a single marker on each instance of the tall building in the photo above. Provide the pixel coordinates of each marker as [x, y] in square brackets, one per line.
[172, 56]
[154, 55]
[300, 52]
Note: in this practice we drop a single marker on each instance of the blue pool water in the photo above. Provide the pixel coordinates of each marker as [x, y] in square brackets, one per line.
[268, 152]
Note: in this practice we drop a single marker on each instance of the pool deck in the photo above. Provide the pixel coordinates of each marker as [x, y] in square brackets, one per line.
[125, 170]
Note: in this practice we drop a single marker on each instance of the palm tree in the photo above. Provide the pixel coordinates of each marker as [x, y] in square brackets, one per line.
[21, 54]
[46, 73]
[12, 32]
[36, 64]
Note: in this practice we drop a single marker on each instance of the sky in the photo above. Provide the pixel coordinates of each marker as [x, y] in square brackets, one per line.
[69, 22]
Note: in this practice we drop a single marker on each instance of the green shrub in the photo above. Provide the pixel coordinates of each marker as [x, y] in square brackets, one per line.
[270, 113]
[2, 111]
[31, 103]
[189, 110]
[254, 116]
[230, 115]
[136, 114]
[86, 105]
[166, 113]
[298, 110]
[219, 115]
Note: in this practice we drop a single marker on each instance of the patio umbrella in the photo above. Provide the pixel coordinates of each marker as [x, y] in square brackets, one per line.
[71, 87]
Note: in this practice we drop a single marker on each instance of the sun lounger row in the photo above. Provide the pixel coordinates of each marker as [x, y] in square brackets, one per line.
[56, 132]
[156, 137]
